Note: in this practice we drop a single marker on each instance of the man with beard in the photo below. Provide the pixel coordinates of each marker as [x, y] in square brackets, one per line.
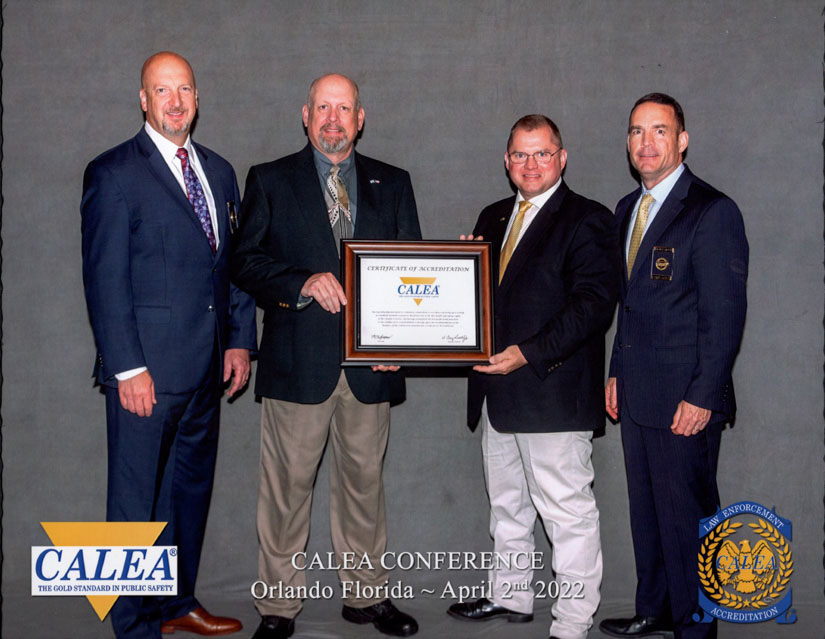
[169, 329]
[295, 211]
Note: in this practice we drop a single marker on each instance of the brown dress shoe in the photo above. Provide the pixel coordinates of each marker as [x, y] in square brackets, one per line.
[201, 622]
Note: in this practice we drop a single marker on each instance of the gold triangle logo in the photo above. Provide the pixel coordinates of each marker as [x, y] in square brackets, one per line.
[418, 280]
[103, 533]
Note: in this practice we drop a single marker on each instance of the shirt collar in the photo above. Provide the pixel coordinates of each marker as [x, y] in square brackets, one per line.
[167, 148]
[323, 164]
[540, 200]
[663, 188]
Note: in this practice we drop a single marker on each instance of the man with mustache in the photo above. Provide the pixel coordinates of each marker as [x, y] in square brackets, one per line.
[169, 328]
[294, 213]
[680, 321]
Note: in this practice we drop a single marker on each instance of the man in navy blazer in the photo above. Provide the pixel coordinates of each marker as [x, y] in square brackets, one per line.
[680, 321]
[294, 213]
[169, 327]
[557, 268]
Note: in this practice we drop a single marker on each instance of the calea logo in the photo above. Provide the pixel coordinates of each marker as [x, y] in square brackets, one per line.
[745, 565]
[418, 288]
[102, 561]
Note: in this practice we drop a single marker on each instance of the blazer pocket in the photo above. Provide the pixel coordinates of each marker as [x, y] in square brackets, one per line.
[153, 314]
[676, 354]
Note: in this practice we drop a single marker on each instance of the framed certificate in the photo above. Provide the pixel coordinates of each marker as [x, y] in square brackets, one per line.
[417, 303]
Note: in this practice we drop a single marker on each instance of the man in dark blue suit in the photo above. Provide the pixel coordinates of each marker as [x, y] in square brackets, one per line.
[557, 267]
[170, 330]
[295, 211]
[680, 322]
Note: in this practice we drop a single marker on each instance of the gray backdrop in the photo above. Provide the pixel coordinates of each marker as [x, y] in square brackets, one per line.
[441, 84]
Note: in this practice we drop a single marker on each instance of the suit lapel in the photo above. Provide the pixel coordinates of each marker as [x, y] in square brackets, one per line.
[366, 214]
[164, 176]
[494, 230]
[624, 228]
[218, 195]
[538, 229]
[670, 209]
[311, 202]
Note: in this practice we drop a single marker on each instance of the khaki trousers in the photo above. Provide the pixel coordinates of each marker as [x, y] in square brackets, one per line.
[293, 437]
[548, 474]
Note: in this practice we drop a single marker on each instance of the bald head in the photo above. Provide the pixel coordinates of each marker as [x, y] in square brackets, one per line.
[161, 58]
[334, 77]
[168, 95]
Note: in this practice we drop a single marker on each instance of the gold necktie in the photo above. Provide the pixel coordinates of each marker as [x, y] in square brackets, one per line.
[638, 231]
[510, 244]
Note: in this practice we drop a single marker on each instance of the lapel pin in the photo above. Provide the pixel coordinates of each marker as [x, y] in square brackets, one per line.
[375, 181]
[233, 216]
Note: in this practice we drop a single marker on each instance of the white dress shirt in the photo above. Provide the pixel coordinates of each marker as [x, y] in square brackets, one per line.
[538, 201]
[168, 149]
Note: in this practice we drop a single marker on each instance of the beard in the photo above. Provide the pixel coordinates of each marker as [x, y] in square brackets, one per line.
[168, 129]
[332, 144]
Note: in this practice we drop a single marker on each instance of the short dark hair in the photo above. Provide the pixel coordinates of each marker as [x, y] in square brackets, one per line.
[531, 123]
[665, 99]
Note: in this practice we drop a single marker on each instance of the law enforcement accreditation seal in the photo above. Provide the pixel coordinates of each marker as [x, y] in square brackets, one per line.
[745, 565]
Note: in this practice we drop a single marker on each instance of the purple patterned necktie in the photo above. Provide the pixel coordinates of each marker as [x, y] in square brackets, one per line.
[194, 192]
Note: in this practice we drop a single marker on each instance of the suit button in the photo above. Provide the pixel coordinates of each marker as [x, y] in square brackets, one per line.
[620, 345]
[211, 309]
[626, 309]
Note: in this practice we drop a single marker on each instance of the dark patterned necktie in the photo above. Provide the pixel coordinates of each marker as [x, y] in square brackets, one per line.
[197, 199]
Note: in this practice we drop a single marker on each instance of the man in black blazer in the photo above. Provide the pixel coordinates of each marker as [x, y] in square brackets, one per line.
[557, 266]
[680, 321]
[295, 211]
[169, 330]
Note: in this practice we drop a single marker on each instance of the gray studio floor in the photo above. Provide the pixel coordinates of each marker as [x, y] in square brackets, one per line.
[73, 618]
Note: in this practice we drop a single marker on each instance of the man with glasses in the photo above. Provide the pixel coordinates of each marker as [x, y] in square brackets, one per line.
[557, 266]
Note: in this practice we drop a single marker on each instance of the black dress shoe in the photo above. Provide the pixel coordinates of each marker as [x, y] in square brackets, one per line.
[483, 610]
[638, 626]
[384, 616]
[274, 627]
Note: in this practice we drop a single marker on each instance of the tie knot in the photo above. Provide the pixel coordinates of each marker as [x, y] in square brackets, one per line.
[647, 200]
[524, 206]
[182, 153]
[334, 170]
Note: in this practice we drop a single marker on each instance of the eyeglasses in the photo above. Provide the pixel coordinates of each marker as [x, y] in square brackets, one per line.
[542, 157]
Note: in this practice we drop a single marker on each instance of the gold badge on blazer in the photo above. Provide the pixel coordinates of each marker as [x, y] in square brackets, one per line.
[233, 216]
[661, 267]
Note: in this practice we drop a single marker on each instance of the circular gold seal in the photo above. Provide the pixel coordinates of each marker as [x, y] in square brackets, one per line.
[745, 573]
[662, 264]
